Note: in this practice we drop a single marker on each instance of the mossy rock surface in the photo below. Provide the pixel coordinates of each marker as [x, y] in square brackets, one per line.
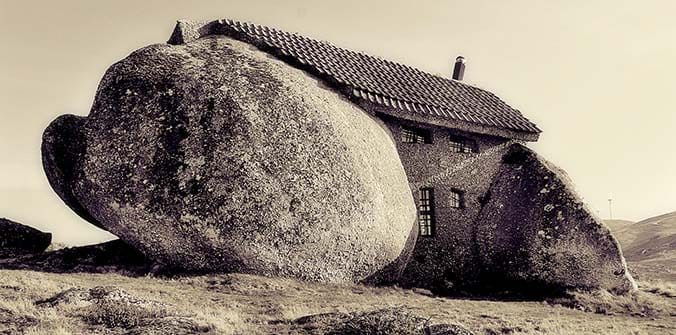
[535, 233]
[215, 156]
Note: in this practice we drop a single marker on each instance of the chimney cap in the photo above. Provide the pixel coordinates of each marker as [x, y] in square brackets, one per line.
[460, 59]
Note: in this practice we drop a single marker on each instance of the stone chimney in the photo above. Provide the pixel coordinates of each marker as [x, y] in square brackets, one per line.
[459, 69]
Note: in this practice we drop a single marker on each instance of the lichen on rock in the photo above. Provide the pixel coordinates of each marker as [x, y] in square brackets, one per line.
[547, 240]
[214, 156]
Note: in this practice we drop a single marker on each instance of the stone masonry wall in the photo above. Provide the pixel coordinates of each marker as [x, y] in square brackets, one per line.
[448, 257]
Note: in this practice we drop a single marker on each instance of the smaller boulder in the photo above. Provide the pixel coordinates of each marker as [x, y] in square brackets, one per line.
[535, 234]
[17, 239]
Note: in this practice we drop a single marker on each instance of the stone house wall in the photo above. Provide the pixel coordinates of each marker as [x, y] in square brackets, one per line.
[449, 257]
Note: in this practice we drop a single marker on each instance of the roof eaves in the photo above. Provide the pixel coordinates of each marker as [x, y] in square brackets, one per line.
[365, 82]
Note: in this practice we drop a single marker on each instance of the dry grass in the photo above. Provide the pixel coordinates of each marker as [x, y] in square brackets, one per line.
[653, 299]
[662, 288]
[244, 304]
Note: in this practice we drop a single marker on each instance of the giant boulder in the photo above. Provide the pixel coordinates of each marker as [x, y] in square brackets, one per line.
[17, 239]
[535, 233]
[216, 156]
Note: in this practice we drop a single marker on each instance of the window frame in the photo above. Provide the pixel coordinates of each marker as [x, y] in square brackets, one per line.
[456, 198]
[415, 133]
[463, 145]
[426, 217]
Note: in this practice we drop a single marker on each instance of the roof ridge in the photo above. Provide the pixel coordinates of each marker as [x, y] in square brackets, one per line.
[376, 79]
[364, 53]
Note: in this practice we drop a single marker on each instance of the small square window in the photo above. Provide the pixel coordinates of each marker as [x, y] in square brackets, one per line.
[462, 145]
[456, 199]
[415, 135]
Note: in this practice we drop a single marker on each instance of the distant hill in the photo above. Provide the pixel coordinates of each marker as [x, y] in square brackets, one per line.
[617, 225]
[649, 245]
[653, 237]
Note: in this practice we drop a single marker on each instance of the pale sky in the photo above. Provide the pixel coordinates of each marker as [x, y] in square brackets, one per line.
[598, 77]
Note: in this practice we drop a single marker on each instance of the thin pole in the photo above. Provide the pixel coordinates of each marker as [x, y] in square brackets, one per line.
[610, 207]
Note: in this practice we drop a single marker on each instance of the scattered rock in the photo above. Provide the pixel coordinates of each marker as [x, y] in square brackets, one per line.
[394, 320]
[319, 323]
[556, 244]
[322, 318]
[447, 329]
[17, 239]
[214, 156]
[72, 296]
[111, 256]
[423, 291]
[171, 325]
[80, 297]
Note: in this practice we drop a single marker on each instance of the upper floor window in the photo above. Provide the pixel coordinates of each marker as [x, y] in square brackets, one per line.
[462, 144]
[415, 135]
[426, 212]
[456, 199]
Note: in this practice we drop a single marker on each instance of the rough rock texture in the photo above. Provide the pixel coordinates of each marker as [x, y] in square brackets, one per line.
[535, 232]
[393, 320]
[17, 239]
[215, 156]
[448, 329]
[80, 297]
[112, 256]
[63, 147]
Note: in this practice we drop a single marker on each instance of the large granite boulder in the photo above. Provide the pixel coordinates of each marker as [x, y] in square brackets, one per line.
[216, 156]
[534, 232]
[17, 239]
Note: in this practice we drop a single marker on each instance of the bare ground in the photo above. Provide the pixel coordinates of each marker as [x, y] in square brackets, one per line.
[245, 304]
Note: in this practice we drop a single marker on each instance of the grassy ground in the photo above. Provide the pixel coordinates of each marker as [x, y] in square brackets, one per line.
[244, 304]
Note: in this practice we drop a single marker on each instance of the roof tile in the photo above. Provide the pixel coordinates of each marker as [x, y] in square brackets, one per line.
[388, 83]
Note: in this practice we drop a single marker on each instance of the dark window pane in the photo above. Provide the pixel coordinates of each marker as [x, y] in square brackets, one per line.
[463, 145]
[455, 199]
[415, 135]
[426, 212]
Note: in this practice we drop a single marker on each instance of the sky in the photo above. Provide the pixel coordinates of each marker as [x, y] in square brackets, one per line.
[598, 77]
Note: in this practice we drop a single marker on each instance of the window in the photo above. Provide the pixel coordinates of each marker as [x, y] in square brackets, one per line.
[426, 212]
[456, 199]
[415, 135]
[463, 145]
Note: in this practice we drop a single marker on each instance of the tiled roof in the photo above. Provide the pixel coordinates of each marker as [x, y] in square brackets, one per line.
[377, 80]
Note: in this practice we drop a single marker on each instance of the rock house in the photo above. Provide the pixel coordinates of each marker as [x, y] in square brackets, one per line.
[491, 213]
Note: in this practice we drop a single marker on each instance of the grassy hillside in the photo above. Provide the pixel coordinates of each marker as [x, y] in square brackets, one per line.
[83, 303]
[618, 225]
[653, 237]
[649, 245]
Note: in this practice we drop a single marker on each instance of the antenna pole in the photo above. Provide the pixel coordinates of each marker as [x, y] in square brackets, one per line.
[610, 207]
